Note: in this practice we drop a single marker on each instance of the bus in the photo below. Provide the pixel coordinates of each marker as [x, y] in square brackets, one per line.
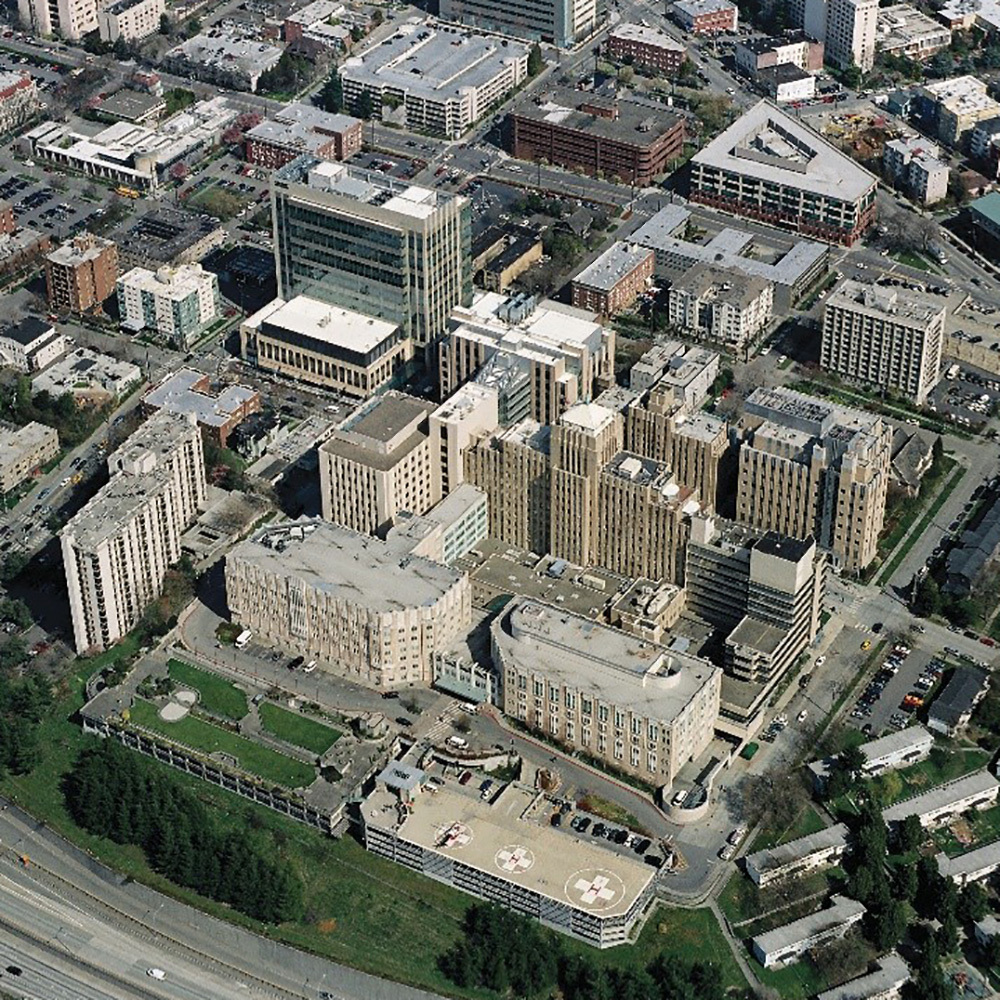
[243, 638]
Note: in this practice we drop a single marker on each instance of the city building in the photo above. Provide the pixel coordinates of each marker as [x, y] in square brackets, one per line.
[561, 22]
[648, 609]
[945, 802]
[641, 708]
[795, 48]
[371, 244]
[30, 344]
[355, 603]
[884, 982]
[541, 358]
[615, 280]
[72, 19]
[221, 58]
[846, 27]
[721, 305]
[137, 107]
[952, 709]
[8, 224]
[705, 17]
[217, 409]
[135, 156]
[791, 273]
[984, 145]
[649, 48]
[798, 857]
[568, 883]
[973, 866]
[118, 547]
[89, 376]
[18, 99]
[689, 372]
[951, 109]
[21, 249]
[986, 929]
[769, 166]
[443, 78]
[903, 30]
[786, 83]
[984, 214]
[808, 468]
[788, 943]
[914, 164]
[977, 547]
[180, 303]
[469, 413]
[323, 24]
[166, 235]
[379, 463]
[81, 273]
[129, 20]
[884, 336]
[629, 138]
[887, 753]
[960, 15]
[23, 450]
[507, 259]
[302, 128]
[447, 531]
[315, 342]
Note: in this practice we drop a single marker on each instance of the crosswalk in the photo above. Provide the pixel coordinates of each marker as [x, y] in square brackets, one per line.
[441, 727]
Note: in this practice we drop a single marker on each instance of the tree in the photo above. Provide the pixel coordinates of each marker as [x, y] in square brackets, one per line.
[852, 761]
[165, 26]
[973, 903]
[886, 926]
[926, 600]
[947, 934]
[852, 76]
[991, 953]
[364, 106]
[909, 834]
[535, 61]
[179, 170]
[331, 97]
[904, 883]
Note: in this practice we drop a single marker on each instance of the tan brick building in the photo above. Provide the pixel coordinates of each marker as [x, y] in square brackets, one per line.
[81, 274]
[23, 450]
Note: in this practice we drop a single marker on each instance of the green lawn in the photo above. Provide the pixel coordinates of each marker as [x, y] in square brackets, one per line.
[216, 694]
[985, 827]
[913, 259]
[808, 821]
[798, 981]
[942, 765]
[200, 735]
[299, 730]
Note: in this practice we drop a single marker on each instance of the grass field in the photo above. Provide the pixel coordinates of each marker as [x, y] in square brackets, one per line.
[807, 821]
[299, 730]
[200, 735]
[217, 695]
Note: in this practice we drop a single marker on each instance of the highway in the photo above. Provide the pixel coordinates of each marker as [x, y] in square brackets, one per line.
[78, 930]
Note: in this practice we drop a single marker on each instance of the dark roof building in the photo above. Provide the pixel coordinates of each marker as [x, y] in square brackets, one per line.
[977, 547]
[952, 708]
[167, 236]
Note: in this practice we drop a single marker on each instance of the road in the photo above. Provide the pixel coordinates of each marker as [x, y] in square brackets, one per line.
[94, 929]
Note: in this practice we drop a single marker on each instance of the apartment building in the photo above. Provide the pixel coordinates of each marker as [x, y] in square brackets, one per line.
[321, 344]
[19, 100]
[972, 866]
[650, 48]
[72, 19]
[130, 20]
[300, 128]
[224, 57]
[371, 244]
[615, 280]
[30, 344]
[888, 753]
[884, 336]
[721, 305]
[705, 17]
[447, 531]
[808, 468]
[795, 48]
[444, 78]
[786, 83]
[689, 371]
[378, 464]
[360, 606]
[903, 30]
[81, 273]
[788, 943]
[541, 358]
[952, 709]
[915, 165]
[941, 804]
[631, 139]
[466, 415]
[798, 857]
[561, 22]
[23, 450]
[769, 166]
[118, 547]
[180, 303]
[641, 708]
[884, 982]
[951, 109]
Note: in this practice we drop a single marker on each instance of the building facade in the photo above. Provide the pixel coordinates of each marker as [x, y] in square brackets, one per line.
[650, 48]
[372, 245]
[179, 303]
[24, 450]
[615, 280]
[18, 100]
[129, 20]
[884, 336]
[915, 165]
[30, 344]
[561, 22]
[72, 19]
[903, 30]
[81, 273]
[642, 709]
[118, 547]
[302, 128]
[788, 943]
[796, 47]
[798, 857]
[705, 17]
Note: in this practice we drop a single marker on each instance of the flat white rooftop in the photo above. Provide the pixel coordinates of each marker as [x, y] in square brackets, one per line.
[320, 321]
[648, 36]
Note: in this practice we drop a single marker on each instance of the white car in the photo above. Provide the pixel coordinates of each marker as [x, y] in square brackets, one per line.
[820, 660]
[802, 716]
[309, 667]
[156, 974]
[727, 852]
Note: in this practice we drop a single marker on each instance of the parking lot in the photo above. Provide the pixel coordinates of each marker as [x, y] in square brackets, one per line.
[39, 206]
[965, 396]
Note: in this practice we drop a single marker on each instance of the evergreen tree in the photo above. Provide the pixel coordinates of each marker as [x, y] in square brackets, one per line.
[535, 61]
[909, 834]
[973, 903]
[331, 97]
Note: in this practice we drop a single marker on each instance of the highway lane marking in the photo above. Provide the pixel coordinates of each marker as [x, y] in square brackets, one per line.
[44, 903]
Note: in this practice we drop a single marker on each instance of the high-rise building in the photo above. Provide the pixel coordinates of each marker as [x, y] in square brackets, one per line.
[561, 22]
[640, 707]
[809, 468]
[129, 20]
[884, 336]
[81, 273]
[847, 28]
[371, 244]
[179, 303]
[70, 18]
[119, 546]
[464, 416]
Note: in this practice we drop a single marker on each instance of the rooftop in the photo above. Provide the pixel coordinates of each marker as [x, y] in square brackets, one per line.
[359, 569]
[902, 24]
[987, 12]
[890, 971]
[900, 305]
[767, 144]
[435, 61]
[382, 432]
[501, 839]
[768, 44]
[301, 126]
[15, 441]
[588, 417]
[721, 284]
[963, 95]
[167, 281]
[875, 751]
[758, 635]
[694, 8]
[27, 330]
[774, 858]
[972, 862]
[648, 36]
[943, 796]
[959, 695]
[616, 263]
[988, 207]
[187, 391]
[164, 233]
[616, 668]
[807, 927]
[79, 250]
[84, 368]
[228, 52]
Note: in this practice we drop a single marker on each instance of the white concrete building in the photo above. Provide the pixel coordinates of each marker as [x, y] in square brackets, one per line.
[848, 29]
[943, 802]
[788, 943]
[888, 753]
[884, 982]
[902, 30]
[72, 19]
[179, 303]
[973, 866]
[23, 450]
[915, 164]
[798, 857]
[130, 20]
[118, 547]
[363, 607]
[225, 59]
[30, 344]
[468, 414]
